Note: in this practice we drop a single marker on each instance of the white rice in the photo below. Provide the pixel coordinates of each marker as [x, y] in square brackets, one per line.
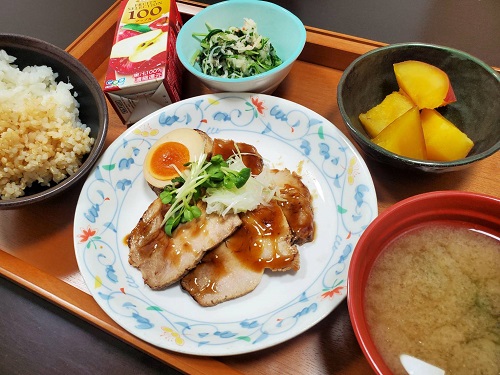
[41, 136]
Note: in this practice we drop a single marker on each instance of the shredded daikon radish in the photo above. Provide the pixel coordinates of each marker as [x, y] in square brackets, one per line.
[258, 190]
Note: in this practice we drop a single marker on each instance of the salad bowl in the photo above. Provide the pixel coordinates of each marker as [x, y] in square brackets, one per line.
[285, 31]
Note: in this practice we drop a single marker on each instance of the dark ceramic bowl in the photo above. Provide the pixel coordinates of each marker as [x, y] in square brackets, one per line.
[93, 109]
[476, 211]
[369, 78]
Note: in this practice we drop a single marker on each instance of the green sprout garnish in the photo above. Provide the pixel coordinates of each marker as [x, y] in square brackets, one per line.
[184, 192]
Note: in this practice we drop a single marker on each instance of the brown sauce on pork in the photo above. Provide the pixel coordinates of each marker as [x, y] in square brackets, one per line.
[296, 204]
[256, 243]
[249, 154]
[163, 260]
[236, 266]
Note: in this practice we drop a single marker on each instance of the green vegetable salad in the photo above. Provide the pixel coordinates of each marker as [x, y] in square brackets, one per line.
[235, 52]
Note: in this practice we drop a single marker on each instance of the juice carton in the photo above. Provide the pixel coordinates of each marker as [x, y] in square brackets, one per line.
[144, 72]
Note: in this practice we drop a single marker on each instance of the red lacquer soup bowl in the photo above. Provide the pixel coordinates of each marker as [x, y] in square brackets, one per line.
[475, 211]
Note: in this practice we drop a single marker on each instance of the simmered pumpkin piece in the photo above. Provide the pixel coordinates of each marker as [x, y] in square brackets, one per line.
[404, 136]
[378, 117]
[444, 141]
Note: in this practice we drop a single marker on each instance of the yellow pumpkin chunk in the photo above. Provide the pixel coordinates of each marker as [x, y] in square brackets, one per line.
[404, 136]
[377, 118]
[444, 141]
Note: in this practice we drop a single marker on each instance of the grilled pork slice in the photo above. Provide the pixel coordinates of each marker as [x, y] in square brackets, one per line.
[220, 277]
[236, 266]
[163, 260]
[296, 205]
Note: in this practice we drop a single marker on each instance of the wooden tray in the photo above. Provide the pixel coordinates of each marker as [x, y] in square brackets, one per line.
[36, 243]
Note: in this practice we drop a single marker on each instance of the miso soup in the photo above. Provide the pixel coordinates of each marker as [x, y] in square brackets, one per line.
[434, 293]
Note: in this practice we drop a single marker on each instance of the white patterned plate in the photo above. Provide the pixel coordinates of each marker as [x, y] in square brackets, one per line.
[284, 305]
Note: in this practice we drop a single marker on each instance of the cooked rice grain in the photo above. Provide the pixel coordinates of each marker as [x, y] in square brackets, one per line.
[41, 136]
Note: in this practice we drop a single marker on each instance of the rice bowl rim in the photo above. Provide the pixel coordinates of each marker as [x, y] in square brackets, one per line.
[40, 47]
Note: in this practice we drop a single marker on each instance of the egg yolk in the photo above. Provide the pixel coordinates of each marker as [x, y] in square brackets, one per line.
[163, 159]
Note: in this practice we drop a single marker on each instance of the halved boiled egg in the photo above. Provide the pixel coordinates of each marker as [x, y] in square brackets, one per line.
[168, 155]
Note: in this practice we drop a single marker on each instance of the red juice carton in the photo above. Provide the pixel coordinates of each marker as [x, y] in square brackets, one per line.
[144, 73]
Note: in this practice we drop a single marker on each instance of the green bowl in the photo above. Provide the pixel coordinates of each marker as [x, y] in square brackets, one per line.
[369, 78]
